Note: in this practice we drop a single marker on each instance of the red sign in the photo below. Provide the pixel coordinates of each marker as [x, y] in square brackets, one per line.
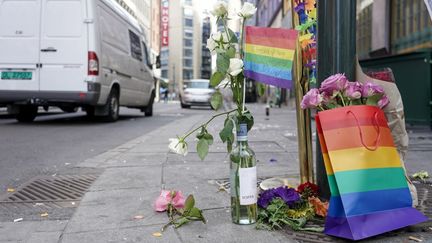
[164, 23]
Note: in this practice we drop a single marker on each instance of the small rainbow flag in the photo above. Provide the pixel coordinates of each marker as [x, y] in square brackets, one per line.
[269, 55]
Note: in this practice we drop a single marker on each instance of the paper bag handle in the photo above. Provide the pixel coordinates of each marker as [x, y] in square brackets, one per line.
[377, 128]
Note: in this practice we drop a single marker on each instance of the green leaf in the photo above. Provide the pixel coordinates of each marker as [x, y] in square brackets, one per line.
[222, 62]
[231, 52]
[226, 132]
[196, 214]
[373, 100]
[209, 138]
[233, 36]
[216, 78]
[202, 148]
[216, 100]
[181, 221]
[189, 203]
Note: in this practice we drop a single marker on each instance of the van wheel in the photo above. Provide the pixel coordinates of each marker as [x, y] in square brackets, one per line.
[184, 106]
[148, 111]
[27, 113]
[112, 106]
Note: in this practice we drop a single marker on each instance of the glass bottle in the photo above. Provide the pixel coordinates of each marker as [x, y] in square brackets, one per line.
[243, 180]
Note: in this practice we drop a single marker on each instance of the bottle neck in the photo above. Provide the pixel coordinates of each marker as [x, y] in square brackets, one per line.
[242, 134]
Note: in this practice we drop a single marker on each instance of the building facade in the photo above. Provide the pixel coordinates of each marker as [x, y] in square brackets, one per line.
[184, 54]
[389, 27]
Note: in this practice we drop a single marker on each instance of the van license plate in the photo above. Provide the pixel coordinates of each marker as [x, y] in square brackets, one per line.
[17, 75]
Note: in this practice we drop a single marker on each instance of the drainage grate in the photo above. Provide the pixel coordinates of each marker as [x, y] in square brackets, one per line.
[53, 189]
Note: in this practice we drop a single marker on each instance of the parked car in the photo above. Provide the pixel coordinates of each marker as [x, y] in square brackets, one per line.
[196, 92]
[82, 53]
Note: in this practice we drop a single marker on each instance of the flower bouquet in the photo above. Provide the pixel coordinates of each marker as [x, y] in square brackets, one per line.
[284, 206]
[369, 192]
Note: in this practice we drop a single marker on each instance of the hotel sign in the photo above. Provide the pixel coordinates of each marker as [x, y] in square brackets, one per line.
[164, 23]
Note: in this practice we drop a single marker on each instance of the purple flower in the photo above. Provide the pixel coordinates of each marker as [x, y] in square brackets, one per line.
[288, 195]
[353, 90]
[312, 99]
[383, 102]
[334, 83]
[265, 198]
[371, 89]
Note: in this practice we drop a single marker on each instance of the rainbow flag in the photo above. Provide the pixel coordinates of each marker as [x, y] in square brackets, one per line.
[369, 191]
[269, 55]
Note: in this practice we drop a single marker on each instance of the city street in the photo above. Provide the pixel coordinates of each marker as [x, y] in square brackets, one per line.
[57, 141]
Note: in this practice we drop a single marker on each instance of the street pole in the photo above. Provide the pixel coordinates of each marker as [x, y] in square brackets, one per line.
[336, 54]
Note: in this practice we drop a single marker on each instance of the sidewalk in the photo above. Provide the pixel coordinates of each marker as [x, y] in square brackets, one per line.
[135, 172]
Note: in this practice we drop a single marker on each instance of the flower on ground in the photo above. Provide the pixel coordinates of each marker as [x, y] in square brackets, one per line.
[247, 10]
[321, 208]
[308, 187]
[333, 84]
[312, 99]
[175, 198]
[220, 9]
[383, 102]
[235, 66]
[288, 195]
[371, 89]
[353, 90]
[178, 146]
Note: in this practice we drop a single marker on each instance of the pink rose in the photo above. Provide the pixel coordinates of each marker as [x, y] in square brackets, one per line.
[312, 99]
[383, 102]
[353, 90]
[371, 89]
[165, 198]
[334, 83]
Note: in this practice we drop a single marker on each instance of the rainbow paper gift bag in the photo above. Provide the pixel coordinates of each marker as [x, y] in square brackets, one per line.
[369, 192]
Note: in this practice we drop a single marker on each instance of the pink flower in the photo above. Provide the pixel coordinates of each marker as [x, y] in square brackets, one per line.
[353, 90]
[371, 89]
[334, 83]
[312, 99]
[383, 102]
[165, 198]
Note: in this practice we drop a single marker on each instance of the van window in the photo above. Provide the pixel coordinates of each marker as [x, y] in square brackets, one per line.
[68, 13]
[146, 59]
[136, 51]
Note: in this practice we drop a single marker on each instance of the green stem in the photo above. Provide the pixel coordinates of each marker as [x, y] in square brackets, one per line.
[342, 99]
[206, 123]
[237, 198]
[242, 39]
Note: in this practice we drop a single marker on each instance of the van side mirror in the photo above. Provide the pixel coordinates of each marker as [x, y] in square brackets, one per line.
[158, 62]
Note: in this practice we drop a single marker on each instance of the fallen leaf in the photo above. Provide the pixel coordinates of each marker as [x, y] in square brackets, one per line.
[10, 190]
[157, 234]
[44, 215]
[139, 217]
[430, 228]
[18, 220]
[415, 239]
[39, 204]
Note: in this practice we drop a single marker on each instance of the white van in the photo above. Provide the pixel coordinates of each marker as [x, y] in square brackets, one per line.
[70, 54]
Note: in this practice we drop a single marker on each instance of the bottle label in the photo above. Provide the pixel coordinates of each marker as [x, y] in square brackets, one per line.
[248, 185]
[242, 132]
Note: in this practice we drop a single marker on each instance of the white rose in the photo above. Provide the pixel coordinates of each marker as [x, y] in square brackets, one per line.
[219, 9]
[225, 37]
[178, 146]
[217, 36]
[235, 66]
[247, 10]
[211, 45]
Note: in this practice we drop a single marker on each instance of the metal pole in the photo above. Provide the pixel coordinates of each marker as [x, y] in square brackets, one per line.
[336, 54]
[304, 134]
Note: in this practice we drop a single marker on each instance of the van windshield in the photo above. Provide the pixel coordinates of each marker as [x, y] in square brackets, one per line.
[197, 85]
